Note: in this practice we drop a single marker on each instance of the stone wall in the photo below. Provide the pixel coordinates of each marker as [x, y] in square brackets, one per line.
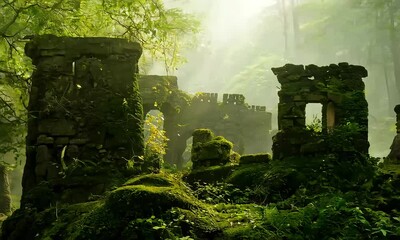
[162, 93]
[340, 90]
[248, 127]
[5, 193]
[209, 150]
[394, 155]
[85, 117]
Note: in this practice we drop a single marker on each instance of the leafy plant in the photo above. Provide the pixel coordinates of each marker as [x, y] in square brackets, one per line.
[155, 140]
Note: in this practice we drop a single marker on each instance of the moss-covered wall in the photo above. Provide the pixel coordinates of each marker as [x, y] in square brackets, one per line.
[246, 126]
[394, 155]
[5, 193]
[338, 86]
[85, 115]
[162, 93]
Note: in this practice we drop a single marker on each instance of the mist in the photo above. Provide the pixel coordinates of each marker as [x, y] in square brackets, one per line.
[241, 40]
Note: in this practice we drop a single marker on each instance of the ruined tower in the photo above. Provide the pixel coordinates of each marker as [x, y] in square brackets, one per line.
[340, 90]
[85, 117]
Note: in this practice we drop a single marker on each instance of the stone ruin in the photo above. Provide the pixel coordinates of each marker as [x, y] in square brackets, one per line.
[162, 93]
[85, 117]
[209, 150]
[248, 127]
[5, 193]
[340, 90]
[394, 155]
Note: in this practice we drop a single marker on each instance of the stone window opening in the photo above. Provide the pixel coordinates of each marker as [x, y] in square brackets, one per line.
[187, 154]
[154, 134]
[314, 116]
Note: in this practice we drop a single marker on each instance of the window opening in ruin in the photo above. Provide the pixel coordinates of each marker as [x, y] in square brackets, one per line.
[187, 154]
[314, 116]
[154, 127]
[330, 116]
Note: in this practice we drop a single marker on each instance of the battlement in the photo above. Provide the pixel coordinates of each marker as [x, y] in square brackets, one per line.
[235, 99]
[258, 108]
[205, 98]
[324, 75]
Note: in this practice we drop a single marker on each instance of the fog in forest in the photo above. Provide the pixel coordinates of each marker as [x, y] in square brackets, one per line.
[241, 40]
[111, 127]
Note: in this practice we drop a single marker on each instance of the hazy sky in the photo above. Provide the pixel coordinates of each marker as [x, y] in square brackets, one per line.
[223, 19]
[225, 24]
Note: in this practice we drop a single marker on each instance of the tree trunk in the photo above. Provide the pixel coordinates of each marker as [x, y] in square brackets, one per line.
[5, 196]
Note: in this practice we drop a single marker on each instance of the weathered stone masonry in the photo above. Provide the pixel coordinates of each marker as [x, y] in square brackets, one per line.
[340, 90]
[85, 116]
[394, 155]
[246, 126]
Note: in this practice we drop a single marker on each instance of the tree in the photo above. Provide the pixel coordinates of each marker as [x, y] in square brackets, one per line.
[161, 32]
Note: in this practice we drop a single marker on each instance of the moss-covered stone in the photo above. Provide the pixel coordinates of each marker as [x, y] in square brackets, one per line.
[211, 174]
[155, 206]
[208, 150]
[255, 158]
[340, 90]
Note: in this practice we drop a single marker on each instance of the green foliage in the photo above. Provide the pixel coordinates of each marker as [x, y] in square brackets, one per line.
[315, 126]
[155, 140]
[220, 192]
[162, 32]
[342, 137]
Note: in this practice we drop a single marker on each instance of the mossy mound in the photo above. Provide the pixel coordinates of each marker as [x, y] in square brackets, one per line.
[154, 206]
[160, 180]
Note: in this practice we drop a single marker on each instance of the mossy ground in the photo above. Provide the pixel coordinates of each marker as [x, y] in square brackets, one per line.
[296, 199]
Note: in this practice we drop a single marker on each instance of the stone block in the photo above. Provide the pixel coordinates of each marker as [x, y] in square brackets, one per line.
[72, 152]
[394, 155]
[43, 157]
[61, 141]
[286, 123]
[255, 158]
[57, 127]
[315, 98]
[43, 139]
[78, 141]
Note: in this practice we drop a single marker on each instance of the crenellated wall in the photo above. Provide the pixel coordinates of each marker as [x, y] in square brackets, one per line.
[85, 117]
[247, 127]
[340, 90]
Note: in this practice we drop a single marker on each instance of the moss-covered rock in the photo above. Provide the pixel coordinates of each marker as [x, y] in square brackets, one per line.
[208, 150]
[210, 174]
[154, 206]
[255, 158]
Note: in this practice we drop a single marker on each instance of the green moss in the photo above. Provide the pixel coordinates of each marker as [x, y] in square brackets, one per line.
[248, 175]
[203, 132]
[206, 152]
[209, 174]
[255, 158]
[161, 180]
